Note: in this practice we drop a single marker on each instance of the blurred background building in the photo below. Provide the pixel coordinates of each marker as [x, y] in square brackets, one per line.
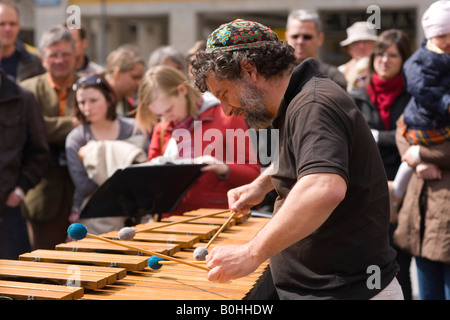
[180, 23]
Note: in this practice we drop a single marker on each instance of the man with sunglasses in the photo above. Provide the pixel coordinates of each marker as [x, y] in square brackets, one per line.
[49, 203]
[304, 34]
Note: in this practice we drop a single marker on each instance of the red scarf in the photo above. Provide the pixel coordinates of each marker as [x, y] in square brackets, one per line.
[383, 94]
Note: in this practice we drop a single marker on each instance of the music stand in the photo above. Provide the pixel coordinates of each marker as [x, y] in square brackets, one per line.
[142, 189]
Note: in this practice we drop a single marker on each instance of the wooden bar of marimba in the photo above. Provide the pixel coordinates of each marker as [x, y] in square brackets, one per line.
[94, 245]
[17, 290]
[185, 241]
[108, 271]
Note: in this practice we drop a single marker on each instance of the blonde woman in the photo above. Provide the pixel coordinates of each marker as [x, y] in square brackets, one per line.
[166, 95]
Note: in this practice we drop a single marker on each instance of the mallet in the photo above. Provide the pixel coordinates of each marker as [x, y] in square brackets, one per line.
[128, 233]
[201, 252]
[78, 231]
[156, 263]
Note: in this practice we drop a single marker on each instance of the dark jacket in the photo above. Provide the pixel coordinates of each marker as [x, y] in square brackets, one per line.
[386, 140]
[24, 151]
[29, 63]
[427, 76]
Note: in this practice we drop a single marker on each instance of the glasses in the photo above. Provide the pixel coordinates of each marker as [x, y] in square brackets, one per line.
[386, 55]
[304, 36]
[87, 81]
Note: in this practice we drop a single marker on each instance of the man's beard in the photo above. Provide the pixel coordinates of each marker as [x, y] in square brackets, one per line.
[253, 109]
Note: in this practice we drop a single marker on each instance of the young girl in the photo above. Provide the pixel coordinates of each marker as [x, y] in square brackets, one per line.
[95, 107]
[166, 94]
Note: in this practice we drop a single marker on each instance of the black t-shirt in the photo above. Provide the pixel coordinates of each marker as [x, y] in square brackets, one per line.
[322, 131]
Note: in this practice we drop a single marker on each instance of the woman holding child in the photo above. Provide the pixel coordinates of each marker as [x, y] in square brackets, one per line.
[423, 140]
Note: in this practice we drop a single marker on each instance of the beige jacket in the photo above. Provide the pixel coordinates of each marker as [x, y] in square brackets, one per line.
[102, 158]
[435, 244]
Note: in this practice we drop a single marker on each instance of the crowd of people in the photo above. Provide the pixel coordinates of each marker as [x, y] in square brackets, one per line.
[344, 132]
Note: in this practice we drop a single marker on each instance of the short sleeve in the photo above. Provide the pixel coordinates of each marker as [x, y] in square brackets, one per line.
[319, 140]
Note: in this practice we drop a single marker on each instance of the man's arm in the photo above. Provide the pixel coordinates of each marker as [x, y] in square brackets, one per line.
[309, 204]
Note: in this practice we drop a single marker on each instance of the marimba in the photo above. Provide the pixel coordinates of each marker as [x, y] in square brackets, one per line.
[91, 269]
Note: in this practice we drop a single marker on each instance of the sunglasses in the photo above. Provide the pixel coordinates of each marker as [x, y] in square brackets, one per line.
[304, 36]
[88, 81]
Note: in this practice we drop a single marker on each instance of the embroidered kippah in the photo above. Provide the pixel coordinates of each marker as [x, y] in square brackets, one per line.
[239, 34]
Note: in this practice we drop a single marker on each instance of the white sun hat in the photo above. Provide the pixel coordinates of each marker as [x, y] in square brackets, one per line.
[359, 31]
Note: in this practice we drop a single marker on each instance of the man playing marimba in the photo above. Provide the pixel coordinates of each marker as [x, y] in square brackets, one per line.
[328, 238]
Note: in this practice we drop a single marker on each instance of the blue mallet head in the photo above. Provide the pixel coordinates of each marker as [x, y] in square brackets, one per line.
[77, 231]
[153, 262]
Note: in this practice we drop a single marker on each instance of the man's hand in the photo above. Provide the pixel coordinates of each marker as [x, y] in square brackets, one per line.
[14, 197]
[231, 262]
[241, 199]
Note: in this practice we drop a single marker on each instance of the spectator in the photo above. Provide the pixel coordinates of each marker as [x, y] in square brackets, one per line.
[359, 43]
[83, 65]
[169, 56]
[102, 134]
[382, 101]
[24, 155]
[49, 203]
[384, 96]
[124, 71]
[423, 139]
[199, 45]
[17, 61]
[304, 34]
[357, 76]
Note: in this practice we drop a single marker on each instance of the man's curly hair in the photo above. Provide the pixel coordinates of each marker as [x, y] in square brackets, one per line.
[271, 59]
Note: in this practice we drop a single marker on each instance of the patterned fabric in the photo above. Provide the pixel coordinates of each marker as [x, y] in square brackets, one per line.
[239, 34]
[425, 137]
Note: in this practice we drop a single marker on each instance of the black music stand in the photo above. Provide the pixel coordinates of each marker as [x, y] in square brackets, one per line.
[142, 189]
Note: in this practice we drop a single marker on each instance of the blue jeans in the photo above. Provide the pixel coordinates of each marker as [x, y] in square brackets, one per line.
[434, 279]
